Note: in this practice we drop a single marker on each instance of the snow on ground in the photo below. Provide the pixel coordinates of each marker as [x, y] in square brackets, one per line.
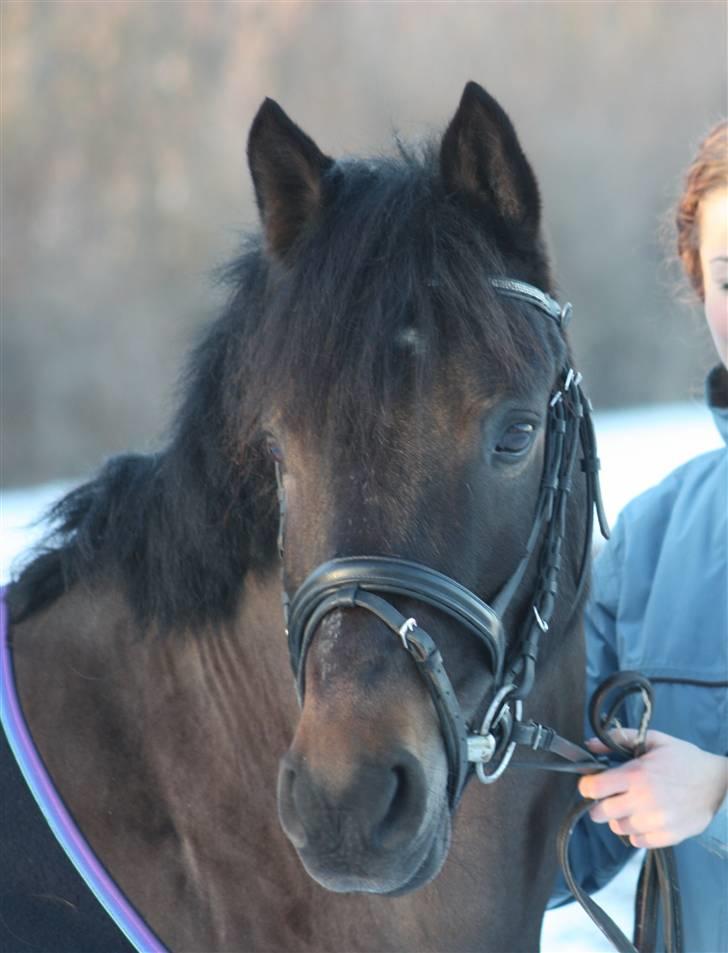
[637, 447]
[21, 526]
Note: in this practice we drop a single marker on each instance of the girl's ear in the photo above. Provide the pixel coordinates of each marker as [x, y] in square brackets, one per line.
[480, 156]
[287, 168]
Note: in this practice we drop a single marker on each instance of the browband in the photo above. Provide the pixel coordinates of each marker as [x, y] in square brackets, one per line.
[513, 288]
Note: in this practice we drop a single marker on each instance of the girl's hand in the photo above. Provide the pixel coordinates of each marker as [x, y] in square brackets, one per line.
[669, 793]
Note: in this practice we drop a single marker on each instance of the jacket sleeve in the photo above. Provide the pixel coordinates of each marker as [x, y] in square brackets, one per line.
[596, 854]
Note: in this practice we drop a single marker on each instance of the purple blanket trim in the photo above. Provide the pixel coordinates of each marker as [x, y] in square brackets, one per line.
[55, 811]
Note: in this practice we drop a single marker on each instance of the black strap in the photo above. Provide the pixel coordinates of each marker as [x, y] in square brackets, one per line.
[658, 889]
[658, 886]
[564, 436]
[605, 923]
[542, 738]
[657, 893]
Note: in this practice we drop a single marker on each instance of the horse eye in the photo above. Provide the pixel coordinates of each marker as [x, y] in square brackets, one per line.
[517, 439]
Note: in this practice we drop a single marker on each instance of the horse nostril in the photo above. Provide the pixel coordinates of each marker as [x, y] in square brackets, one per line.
[405, 808]
[398, 804]
[287, 810]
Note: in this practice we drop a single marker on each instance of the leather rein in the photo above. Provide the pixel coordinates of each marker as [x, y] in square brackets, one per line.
[365, 582]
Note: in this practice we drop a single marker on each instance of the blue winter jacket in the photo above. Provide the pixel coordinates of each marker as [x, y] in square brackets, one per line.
[659, 605]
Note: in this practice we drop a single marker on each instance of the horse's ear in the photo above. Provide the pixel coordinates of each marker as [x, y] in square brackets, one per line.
[287, 167]
[480, 156]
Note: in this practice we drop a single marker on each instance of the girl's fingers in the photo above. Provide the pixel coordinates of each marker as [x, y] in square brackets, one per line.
[627, 737]
[650, 824]
[597, 746]
[654, 839]
[607, 783]
[612, 808]
[627, 826]
[660, 798]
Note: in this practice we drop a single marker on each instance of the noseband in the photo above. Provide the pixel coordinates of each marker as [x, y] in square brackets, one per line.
[364, 582]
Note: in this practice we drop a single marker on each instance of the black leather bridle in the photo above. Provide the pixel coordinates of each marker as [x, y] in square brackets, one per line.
[364, 582]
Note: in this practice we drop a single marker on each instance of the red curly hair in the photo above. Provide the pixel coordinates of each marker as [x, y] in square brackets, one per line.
[708, 171]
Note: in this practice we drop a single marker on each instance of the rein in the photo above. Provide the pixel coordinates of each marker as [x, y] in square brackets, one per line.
[658, 890]
[364, 582]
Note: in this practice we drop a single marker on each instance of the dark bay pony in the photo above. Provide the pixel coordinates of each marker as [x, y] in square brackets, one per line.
[367, 378]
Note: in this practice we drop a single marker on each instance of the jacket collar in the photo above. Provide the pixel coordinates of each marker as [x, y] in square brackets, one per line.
[716, 396]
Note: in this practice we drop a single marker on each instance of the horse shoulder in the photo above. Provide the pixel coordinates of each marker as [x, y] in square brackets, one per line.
[164, 747]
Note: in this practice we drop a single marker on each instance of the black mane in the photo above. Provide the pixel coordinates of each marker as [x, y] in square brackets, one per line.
[391, 253]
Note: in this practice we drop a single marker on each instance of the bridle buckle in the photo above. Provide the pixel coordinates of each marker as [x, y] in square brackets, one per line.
[409, 626]
[481, 748]
[542, 624]
[484, 745]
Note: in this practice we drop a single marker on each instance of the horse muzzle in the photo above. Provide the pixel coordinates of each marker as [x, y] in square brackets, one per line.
[377, 830]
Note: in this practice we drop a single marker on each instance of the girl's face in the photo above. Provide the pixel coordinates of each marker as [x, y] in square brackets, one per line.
[713, 212]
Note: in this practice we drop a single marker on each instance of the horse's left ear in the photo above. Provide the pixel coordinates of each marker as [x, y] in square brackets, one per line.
[287, 167]
[481, 156]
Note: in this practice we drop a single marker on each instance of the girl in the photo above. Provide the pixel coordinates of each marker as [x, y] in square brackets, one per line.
[659, 605]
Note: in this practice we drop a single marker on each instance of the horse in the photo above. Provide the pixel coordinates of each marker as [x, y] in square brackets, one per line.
[372, 412]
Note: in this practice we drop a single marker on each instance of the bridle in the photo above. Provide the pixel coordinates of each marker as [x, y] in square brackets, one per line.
[363, 582]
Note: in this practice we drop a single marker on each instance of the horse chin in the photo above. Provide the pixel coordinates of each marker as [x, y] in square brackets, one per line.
[339, 875]
[431, 865]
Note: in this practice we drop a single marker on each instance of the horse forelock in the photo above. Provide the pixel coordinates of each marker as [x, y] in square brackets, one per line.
[383, 295]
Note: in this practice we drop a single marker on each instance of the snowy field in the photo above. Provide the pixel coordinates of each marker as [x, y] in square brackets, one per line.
[637, 447]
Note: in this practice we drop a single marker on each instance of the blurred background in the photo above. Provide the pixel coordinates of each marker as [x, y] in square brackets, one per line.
[124, 183]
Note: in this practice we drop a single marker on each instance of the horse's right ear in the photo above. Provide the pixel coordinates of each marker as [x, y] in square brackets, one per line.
[287, 167]
[481, 157]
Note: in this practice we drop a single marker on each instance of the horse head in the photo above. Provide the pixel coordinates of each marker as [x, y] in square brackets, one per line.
[403, 403]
